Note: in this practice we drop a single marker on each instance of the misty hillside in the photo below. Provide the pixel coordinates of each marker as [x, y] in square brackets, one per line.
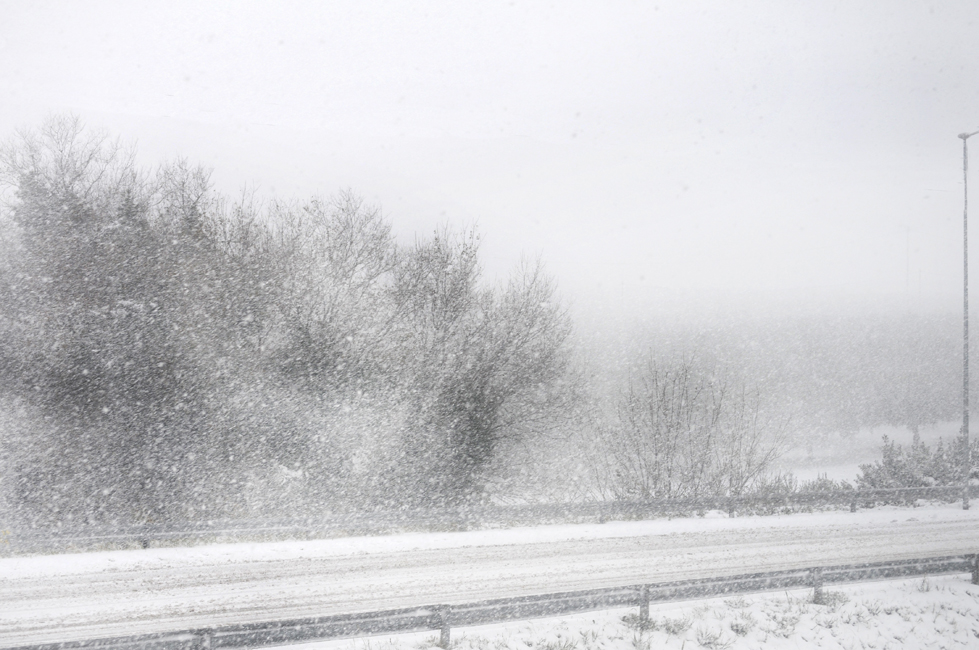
[168, 353]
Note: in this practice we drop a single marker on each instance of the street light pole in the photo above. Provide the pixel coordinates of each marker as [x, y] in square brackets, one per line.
[967, 461]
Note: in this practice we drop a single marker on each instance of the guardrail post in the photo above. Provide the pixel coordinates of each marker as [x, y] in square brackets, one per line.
[816, 575]
[643, 607]
[444, 634]
[975, 569]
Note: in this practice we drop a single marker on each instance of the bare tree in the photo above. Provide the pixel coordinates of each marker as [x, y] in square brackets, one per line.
[486, 368]
[333, 262]
[681, 432]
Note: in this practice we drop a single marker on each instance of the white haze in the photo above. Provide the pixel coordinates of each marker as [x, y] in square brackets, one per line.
[720, 149]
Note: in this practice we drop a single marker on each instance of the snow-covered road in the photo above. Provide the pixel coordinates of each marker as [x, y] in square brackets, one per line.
[63, 597]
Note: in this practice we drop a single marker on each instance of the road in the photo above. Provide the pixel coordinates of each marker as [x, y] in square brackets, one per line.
[89, 595]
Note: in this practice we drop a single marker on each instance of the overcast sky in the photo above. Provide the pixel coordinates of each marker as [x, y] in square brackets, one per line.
[639, 148]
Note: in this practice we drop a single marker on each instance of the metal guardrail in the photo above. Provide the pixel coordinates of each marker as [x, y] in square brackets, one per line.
[70, 537]
[444, 617]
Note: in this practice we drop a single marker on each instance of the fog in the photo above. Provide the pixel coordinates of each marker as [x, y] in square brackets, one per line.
[636, 147]
[765, 195]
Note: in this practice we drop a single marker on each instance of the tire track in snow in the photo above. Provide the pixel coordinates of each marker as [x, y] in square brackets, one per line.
[253, 583]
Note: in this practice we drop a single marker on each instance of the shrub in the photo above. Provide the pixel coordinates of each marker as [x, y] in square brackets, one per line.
[918, 465]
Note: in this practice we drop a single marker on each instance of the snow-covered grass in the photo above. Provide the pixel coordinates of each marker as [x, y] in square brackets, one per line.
[932, 612]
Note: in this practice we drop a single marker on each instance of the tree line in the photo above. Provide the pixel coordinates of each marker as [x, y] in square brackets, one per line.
[177, 354]
[169, 353]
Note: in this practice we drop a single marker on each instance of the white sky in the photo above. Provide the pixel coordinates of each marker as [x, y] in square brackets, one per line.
[640, 149]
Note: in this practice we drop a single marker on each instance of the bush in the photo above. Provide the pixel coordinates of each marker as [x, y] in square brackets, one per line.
[825, 485]
[684, 431]
[918, 465]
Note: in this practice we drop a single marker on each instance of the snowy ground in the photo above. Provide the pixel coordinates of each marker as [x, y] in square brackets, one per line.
[89, 595]
[934, 612]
